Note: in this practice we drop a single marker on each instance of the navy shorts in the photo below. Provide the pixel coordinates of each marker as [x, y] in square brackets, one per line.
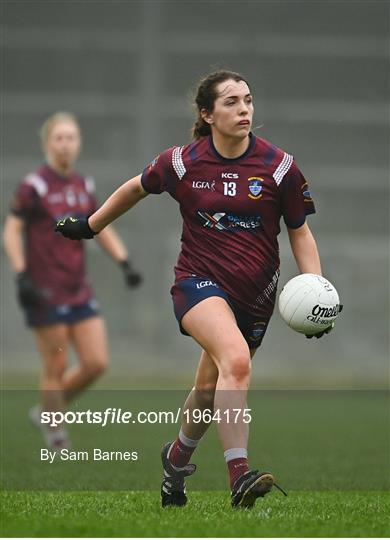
[189, 292]
[45, 314]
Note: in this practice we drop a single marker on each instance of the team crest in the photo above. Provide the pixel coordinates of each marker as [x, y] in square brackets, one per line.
[255, 187]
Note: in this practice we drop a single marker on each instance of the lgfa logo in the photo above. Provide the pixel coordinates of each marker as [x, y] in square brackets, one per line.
[206, 283]
[203, 184]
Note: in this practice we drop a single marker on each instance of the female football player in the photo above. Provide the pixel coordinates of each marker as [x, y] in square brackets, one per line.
[233, 188]
[52, 285]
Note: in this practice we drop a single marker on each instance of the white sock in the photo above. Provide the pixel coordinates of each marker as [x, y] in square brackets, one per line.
[52, 436]
[192, 443]
[235, 453]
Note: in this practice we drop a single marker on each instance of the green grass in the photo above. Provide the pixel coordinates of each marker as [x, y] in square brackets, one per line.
[329, 450]
[309, 440]
[208, 514]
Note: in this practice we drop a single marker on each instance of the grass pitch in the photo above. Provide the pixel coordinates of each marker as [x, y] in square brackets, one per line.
[329, 450]
[208, 514]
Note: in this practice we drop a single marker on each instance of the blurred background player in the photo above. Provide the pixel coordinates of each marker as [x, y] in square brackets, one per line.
[233, 188]
[52, 286]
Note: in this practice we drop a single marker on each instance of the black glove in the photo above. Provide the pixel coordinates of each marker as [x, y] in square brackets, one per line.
[132, 277]
[327, 330]
[28, 294]
[75, 228]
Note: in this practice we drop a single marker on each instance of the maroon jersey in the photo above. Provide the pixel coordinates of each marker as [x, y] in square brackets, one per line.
[231, 211]
[56, 265]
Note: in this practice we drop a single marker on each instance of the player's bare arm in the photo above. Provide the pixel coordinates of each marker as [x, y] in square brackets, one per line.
[112, 244]
[304, 248]
[124, 198]
[13, 242]
[27, 293]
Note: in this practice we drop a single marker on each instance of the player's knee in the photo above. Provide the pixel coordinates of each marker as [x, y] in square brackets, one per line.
[96, 366]
[237, 367]
[241, 368]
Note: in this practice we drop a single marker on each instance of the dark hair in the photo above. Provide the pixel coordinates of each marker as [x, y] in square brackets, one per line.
[206, 95]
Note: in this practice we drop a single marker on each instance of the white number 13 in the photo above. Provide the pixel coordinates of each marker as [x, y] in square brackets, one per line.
[229, 188]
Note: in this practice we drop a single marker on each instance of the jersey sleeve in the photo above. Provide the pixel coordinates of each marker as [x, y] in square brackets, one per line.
[160, 175]
[296, 200]
[25, 201]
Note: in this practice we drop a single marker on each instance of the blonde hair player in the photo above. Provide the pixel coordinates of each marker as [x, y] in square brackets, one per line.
[52, 285]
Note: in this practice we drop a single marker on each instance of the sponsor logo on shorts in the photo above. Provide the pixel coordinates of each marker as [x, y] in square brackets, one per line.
[257, 331]
[206, 283]
[204, 184]
[255, 187]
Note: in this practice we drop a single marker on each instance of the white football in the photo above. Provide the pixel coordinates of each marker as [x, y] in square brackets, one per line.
[309, 303]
